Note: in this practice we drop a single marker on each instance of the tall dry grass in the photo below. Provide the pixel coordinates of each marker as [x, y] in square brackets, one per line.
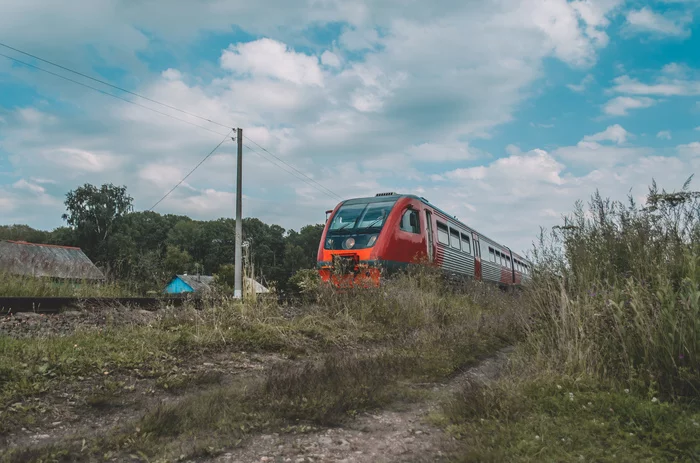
[616, 292]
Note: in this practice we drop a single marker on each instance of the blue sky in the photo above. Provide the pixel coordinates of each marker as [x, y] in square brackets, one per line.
[501, 112]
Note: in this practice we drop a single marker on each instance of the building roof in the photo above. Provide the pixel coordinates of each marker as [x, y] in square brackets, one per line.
[46, 260]
[204, 282]
[198, 282]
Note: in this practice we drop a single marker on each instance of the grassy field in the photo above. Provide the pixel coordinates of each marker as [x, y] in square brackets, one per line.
[609, 369]
[606, 364]
[340, 354]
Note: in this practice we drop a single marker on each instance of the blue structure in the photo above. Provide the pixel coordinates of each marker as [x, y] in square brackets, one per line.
[189, 284]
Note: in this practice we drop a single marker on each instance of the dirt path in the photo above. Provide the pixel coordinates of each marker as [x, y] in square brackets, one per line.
[392, 435]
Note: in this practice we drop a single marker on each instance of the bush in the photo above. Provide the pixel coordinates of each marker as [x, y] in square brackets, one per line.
[616, 292]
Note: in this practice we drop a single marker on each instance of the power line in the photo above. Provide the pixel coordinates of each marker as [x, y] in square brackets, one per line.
[293, 168]
[314, 182]
[329, 193]
[108, 94]
[190, 173]
[113, 86]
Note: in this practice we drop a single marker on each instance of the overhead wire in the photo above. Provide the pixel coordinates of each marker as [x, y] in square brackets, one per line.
[330, 193]
[112, 85]
[308, 180]
[190, 172]
[107, 93]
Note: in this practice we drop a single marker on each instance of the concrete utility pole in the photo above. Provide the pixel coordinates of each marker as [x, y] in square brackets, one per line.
[238, 274]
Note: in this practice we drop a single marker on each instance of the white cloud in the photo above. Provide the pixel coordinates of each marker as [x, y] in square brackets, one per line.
[81, 160]
[22, 184]
[664, 135]
[387, 99]
[646, 21]
[620, 105]
[330, 59]
[615, 133]
[663, 87]
[585, 82]
[592, 154]
[270, 58]
[542, 126]
[690, 149]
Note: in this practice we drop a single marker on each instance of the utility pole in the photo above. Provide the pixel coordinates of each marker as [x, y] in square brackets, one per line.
[238, 277]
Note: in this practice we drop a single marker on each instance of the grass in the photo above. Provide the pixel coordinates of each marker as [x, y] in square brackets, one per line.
[26, 286]
[354, 351]
[609, 369]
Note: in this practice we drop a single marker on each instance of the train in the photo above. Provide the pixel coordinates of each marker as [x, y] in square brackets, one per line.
[366, 239]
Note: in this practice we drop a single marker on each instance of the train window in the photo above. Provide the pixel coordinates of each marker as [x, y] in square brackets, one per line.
[492, 255]
[508, 262]
[454, 239]
[443, 235]
[409, 221]
[466, 245]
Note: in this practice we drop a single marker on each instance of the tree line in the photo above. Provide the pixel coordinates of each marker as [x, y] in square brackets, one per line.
[145, 249]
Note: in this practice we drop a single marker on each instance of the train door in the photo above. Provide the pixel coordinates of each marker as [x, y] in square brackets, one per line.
[477, 257]
[429, 234]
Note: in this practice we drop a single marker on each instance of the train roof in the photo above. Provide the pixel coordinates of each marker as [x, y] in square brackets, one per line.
[381, 197]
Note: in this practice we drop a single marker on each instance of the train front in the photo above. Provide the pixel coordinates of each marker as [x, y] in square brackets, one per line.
[352, 240]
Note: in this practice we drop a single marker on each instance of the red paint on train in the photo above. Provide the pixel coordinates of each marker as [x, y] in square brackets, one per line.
[364, 236]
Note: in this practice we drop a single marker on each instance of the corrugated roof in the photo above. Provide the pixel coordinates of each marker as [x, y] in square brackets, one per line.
[198, 282]
[46, 260]
[204, 282]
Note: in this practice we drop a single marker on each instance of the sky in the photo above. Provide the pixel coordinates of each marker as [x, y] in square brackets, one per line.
[500, 112]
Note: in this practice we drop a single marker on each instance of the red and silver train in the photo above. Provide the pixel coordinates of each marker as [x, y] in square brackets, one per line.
[365, 238]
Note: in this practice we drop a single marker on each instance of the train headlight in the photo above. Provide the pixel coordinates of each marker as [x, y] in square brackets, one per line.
[349, 243]
[372, 240]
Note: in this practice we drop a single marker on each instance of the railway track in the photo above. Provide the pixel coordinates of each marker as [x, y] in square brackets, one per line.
[54, 305]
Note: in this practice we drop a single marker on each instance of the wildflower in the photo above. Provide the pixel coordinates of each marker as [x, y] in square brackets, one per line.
[590, 404]
[627, 391]
[654, 400]
[571, 396]
[559, 387]
[537, 437]
[695, 423]
[631, 434]
[681, 356]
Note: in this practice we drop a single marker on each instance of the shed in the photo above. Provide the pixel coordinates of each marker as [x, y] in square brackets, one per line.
[202, 283]
[47, 261]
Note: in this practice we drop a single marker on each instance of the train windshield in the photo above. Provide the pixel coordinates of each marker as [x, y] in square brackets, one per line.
[361, 217]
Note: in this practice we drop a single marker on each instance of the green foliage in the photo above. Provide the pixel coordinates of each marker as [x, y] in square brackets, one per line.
[609, 369]
[144, 249]
[26, 286]
[92, 211]
[555, 418]
[615, 292]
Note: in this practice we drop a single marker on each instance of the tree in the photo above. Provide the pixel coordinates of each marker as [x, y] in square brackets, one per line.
[176, 260]
[92, 211]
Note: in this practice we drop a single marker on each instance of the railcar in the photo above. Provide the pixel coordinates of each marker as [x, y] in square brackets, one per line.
[366, 239]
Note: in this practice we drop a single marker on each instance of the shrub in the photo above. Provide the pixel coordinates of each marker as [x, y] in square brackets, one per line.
[616, 291]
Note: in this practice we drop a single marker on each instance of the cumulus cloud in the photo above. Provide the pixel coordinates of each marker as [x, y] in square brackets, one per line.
[270, 58]
[365, 114]
[657, 24]
[664, 86]
[664, 135]
[620, 105]
[615, 133]
[580, 87]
